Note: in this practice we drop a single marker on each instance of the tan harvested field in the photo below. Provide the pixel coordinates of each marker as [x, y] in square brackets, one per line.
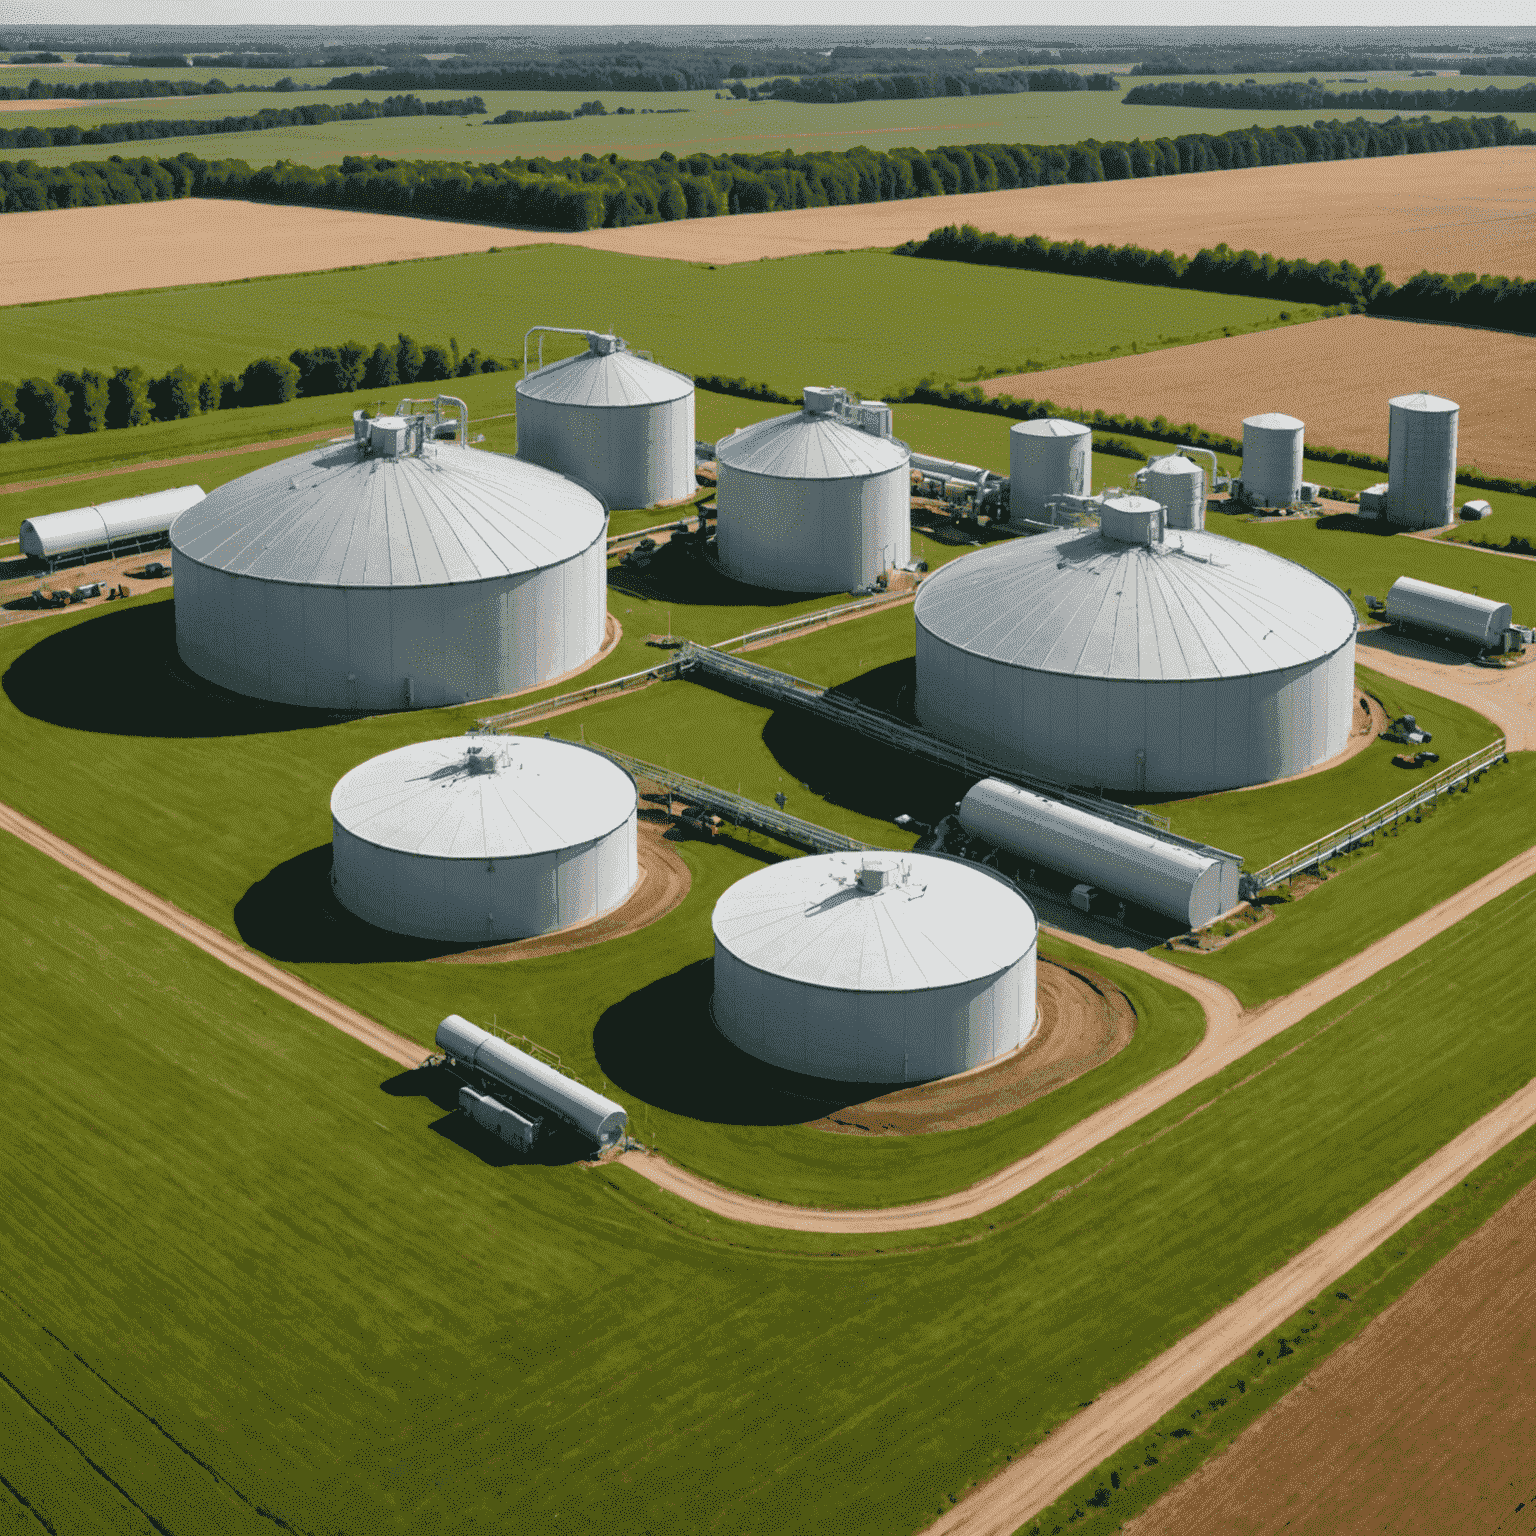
[53, 103]
[1464, 210]
[1423, 1424]
[1335, 375]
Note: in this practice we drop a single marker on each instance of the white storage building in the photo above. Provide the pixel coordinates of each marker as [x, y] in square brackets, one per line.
[1446, 611]
[875, 968]
[391, 572]
[108, 527]
[1130, 658]
[1273, 446]
[1046, 459]
[812, 503]
[617, 422]
[1421, 461]
[483, 840]
[1178, 486]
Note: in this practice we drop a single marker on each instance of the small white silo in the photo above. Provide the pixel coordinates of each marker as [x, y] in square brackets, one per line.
[1421, 461]
[812, 502]
[1178, 486]
[1046, 459]
[619, 423]
[1272, 452]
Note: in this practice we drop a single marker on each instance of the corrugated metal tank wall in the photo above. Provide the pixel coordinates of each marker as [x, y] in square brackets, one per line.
[1046, 459]
[1192, 736]
[1421, 461]
[813, 535]
[631, 456]
[1272, 459]
[470, 640]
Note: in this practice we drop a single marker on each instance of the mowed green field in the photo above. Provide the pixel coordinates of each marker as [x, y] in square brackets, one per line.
[256, 1274]
[867, 320]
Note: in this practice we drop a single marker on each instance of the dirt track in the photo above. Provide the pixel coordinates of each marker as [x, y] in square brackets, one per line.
[1335, 375]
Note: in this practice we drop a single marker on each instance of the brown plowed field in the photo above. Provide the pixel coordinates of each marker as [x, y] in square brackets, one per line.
[1335, 375]
[1425, 1423]
[1465, 210]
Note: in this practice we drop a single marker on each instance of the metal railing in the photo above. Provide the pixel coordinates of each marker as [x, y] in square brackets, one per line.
[614, 685]
[1341, 839]
[810, 620]
[736, 809]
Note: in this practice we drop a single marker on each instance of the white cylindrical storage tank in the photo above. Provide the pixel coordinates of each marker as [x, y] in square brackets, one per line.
[55, 534]
[1158, 874]
[1448, 612]
[478, 840]
[618, 423]
[1272, 454]
[1047, 459]
[356, 577]
[810, 503]
[1421, 461]
[1114, 658]
[874, 968]
[590, 1112]
[1178, 486]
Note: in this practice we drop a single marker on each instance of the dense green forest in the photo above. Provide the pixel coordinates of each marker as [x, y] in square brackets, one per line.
[1292, 95]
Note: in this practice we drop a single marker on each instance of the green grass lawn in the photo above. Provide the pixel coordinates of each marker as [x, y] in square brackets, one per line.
[253, 1269]
[842, 318]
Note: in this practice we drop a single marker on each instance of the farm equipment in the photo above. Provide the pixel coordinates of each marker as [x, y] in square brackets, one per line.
[1414, 759]
[1405, 732]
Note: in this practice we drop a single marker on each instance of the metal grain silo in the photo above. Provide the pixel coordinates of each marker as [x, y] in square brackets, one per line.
[873, 968]
[1127, 658]
[1445, 611]
[1047, 459]
[390, 572]
[1421, 461]
[481, 840]
[613, 420]
[1272, 454]
[1178, 486]
[812, 503]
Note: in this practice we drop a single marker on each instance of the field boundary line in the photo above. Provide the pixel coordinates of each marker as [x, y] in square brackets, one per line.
[230, 952]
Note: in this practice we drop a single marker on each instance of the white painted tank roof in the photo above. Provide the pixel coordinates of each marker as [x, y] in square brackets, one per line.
[936, 923]
[330, 518]
[810, 446]
[1274, 421]
[1195, 606]
[1432, 405]
[523, 795]
[1050, 426]
[1173, 464]
[599, 379]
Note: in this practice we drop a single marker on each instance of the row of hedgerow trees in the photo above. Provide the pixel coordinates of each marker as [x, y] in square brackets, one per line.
[86, 400]
[606, 191]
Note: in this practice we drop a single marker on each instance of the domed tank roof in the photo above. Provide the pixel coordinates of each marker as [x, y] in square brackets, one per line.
[469, 797]
[1430, 405]
[875, 922]
[810, 444]
[1274, 421]
[1050, 426]
[1174, 464]
[1080, 603]
[608, 375]
[334, 518]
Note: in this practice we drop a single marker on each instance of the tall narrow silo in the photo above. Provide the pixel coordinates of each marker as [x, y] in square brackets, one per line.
[1178, 486]
[1272, 451]
[1421, 461]
[619, 423]
[1047, 459]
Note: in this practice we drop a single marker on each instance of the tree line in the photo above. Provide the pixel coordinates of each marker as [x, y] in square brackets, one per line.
[1495, 303]
[913, 87]
[554, 115]
[115, 90]
[1294, 95]
[1194, 60]
[34, 136]
[89, 400]
[537, 77]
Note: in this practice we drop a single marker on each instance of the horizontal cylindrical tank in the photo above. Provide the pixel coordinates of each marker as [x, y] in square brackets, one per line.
[478, 1049]
[1448, 612]
[1272, 454]
[873, 968]
[1178, 486]
[1047, 459]
[514, 1129]
[464, 840]
[619, 423]
[1162, 876]
[810, 503]
[1421, 461]
[134, 517]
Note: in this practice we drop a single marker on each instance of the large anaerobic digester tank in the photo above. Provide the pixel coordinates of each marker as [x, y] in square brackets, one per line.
[1421, 461]
[617, 422]
[391, 572]
[483, 840]
[1046, 459]
[874, 968]
[1127, 657]
[1445, 611]
[812, 502]
[1178, 486]
[1272, 455]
